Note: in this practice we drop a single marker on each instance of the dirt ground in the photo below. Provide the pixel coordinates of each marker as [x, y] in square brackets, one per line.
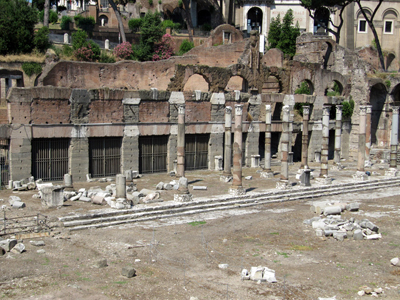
[178, 258]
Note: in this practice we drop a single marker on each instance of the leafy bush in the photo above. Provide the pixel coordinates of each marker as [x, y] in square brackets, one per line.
[303, 89]
[88, 53]
[348, 108]
[335, 90]
[135, 24]
[151, 2]
[164, 49]
[65, 21]
[185, 47]
[86, 24]
[79, 39]
[67, 51]
[53, 16]
[105, 58]
[123, 51]
[206, 27]
[31, 68]
[41, 39]
[170, 24]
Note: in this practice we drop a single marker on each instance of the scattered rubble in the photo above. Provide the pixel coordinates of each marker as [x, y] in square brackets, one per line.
[395, 261]
[128, 272]
[366, 290]
[259, 274]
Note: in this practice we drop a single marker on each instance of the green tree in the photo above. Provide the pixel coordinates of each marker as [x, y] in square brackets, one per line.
[151, 32]
[41, 39]
[334, 6]
[282, 35]
[17, 22]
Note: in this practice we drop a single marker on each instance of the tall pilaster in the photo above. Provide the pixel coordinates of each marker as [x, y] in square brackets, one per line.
[394, 137]
[237, 188]
[361, 138]
[325, 140]
[338, 134]
[267, 151]
[304, 140]
[180, 149]
[368, 133]
[285, 143]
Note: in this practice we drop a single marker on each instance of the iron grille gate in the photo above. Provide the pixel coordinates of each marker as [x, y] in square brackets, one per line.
[4, 162]
[196, 151]
[105, 156]
[153, 154]
[50, 158]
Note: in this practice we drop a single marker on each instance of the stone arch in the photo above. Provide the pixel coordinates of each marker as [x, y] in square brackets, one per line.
[237, 82]
[203, 17]
[103, 19]
[255, 17]
[243, 71]
[321, 20]
[389, 13]
[379, 122]
[196, 82]
[309, 83]
[334, 88]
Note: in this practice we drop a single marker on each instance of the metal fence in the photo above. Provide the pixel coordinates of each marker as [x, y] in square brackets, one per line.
[196, 151]
[105, 156]
[31, 223]
[50, 158]
[153, 152]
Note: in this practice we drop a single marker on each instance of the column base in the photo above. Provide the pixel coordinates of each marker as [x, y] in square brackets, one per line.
[301, 171]
[283, 185]
[392, 172]
[183, 197]
[266, 174]
[237, 191]
[360, 176]
[337, 167]
[226, 178]
[323, 180]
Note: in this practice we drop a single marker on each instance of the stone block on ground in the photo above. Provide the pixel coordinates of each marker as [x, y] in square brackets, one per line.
[52, 196]
[256, 273]
[37, 243]
[102, 263]
[332, 210]
[245, 274]
[353, 207]
[167, 186]
[18, 248]
[223, 266]
[269, 275]
[18, 204]
[99, 200]
[128, 272]
[8, 244]
[85, 199]
[395, 261]
[199, 187]
[160, 186]
[13, 199]
[152, 197]
[145, 192]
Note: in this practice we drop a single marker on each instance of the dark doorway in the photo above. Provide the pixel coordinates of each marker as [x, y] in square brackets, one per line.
[105, 156]
[153, 152]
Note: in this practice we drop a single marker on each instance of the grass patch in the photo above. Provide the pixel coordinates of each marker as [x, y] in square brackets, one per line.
[274, 233]
[65, 266]
[22, 58]
[284, 254]
[84, 279]
[340, 266]
[302, 248]
[120, 282]
[196, 223]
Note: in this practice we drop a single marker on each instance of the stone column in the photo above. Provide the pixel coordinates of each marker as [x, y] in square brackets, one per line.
[227, 174]
[120, 186]
[361, 139]
[267, 172]
[285, 143]
[338, 134]
[368, 135]
[180, 169]
[394, 137]
[304, 140]
[237, 188]
[325, 140]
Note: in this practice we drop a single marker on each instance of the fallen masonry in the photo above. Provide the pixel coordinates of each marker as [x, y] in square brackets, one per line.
[259, 274]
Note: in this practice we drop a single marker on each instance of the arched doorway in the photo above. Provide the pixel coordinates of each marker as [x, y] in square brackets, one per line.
[254, 19]
[203, 17]
[321, 21]
[237, 83]
[196, 82]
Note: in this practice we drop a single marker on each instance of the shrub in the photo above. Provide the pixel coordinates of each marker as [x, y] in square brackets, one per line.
[170, 24]
[180, 3]
[96, 49]
[67, 51]
[79, 39]
[87, 53]
[86, 24]
[185, 47]
[31, 68]
[206, 27]
[41, 39]
[151, 2]
[348, 108]
[123, 51]
[303, 89]
[53, 16]
[164, 49]
[135, 24]
[105, 58]
[65, 20]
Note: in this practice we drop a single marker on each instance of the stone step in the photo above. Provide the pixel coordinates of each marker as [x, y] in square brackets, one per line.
[103, 219]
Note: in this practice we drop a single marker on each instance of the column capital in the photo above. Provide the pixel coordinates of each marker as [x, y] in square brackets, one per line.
[326, 110]
[238, 109]
[268, 107]
[339, 108]
[306, 110]
[228, 109]
[181, 109]
[395, 110]
[286, 109]
[363, 110]
[369, 109]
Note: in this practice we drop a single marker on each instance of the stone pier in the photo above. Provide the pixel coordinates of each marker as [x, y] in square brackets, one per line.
[360, 174]
[368, 136]
[237, 188]
[394, 137]
[325, 140]
[338, 134]
[267, 172]
[180, 149]
[284, 178]
[304, 140]
[227, 174]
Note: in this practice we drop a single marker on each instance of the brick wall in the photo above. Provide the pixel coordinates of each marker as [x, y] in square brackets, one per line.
[48, 112]
[153, 111]
[106, 111]
[198, 111]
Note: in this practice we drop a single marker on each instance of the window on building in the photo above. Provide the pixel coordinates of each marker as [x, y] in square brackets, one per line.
[388, 27]
[362, 26]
